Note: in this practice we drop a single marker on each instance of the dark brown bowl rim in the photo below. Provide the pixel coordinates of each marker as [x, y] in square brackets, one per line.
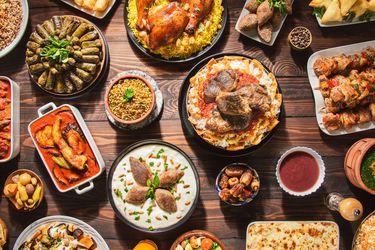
[33, 174]
[140, 119]
[197, 233]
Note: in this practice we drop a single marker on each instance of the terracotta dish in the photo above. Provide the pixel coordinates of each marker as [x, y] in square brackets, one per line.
[197, 233]
[353, 160]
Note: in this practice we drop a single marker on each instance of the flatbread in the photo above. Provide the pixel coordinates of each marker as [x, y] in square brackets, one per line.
[320, 3]
[333, 13]
[360, 7]
[371, 5]
[346, 5]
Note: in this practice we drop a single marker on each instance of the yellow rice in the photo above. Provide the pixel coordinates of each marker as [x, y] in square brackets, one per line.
[186, 45]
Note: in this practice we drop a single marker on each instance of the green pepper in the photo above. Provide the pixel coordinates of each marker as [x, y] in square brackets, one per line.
[61, 162]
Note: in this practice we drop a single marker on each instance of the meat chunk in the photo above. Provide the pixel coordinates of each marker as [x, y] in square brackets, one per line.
[264, 13]
[198, 10]
[252, 6]
[165, 200]
[225, 81]
[142, 12]
[137, 195]
[233, 104]
[265, 32]
[170, 177]
[257, 96]
[248, 22]
[141, 172]
[167, 25]
[222, 124]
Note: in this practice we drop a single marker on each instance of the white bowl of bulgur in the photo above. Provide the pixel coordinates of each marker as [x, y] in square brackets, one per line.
[129, 100]
[14, 15]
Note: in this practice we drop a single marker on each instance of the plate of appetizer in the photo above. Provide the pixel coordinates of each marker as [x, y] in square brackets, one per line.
[13, 24]
[343, 85]
[262, 20]
[10, 119]
[195, 28]
[231, 103]
[153, 186]
[198, 239]
[95, 8]
[331, 13]
[363, 238]
[66, 56]
[3, 233]
[66, 147]
[293, 234]
[50, 232]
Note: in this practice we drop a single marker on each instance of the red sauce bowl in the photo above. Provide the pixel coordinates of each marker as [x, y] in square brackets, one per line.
[300, 171]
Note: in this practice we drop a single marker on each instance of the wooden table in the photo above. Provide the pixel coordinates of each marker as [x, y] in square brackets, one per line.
[298, 128]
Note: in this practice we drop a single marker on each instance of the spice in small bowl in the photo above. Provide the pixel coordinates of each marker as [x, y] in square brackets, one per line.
[237, 184]
[24, 189]
[146, 245]
[300, 38]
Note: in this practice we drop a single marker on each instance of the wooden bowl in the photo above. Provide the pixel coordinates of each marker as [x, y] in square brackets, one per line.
[5, 229]
[353, 161]
[295, 46]
[197, 233]
[19, 172]
[118, 120]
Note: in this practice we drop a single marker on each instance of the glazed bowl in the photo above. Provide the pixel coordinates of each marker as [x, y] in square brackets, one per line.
[353, 160]
[39, 181]
[125, 123]
[255, 177]
[197, 233]
[318, 160]
[292, 36]
[14, 119]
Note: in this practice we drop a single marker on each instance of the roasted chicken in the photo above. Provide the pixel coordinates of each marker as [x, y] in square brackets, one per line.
[198, 10]
[166, 25]
[142, 10]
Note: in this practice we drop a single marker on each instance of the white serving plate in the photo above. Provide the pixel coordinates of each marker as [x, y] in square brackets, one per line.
[21, 32]
[44, 111]
[97, 14]
[314, 83]
[335, 24]
[14, 119]
[304, 222]
[33, 228]
[253, 34]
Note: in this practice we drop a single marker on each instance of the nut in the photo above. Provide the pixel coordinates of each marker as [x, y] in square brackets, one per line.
[247, 177]
[223, 183]
[234, 171]
[233, 181]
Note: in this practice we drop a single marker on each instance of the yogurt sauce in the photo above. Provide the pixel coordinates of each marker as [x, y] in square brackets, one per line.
[149, 215]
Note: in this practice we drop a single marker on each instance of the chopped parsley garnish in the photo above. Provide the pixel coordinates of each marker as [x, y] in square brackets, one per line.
[126, 189]
[349, 17]
[118, 193]
[129, 94]
[149, 210]
[140, 159]
[152, 164]
[153, 185]
[165, 217]
[158, 155]
[165, 166]
[122, 180]
[137, 218]
[319, 11]
[184, 168]
[151, 229]
[148, 221]
[366, 16]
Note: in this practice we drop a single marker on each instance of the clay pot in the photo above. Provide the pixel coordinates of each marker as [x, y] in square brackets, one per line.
[353, 160]
[197, 233]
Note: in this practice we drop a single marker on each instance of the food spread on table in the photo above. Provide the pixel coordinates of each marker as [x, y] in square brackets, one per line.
[343, 11]
[5, 119]
[347, 83]
[64, 148]
[233, 103]
[292, 235]
[24, 189]
[175, 29]
[154, 187]
[57, 235]
[65, 54]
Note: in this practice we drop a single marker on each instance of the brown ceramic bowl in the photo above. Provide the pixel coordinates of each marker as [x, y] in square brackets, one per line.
[5, 229]
[149, 242]
[353, 160]
[292, 34]
[197, 233]
[32, 174]
[118, 120]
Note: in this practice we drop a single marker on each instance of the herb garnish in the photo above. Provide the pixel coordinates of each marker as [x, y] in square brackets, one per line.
[151, 229]
[129, 94]
[153, 185]
[349, 17]
[277, 4]
[118, 193]
[149, 210]
[165, 166]
[56, 49]
[165, 217]
[366, 16]
[319, 11]
[158, 155]
[137, 218]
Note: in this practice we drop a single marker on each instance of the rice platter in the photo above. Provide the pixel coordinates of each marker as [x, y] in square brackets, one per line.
[153, 186]
[130, 99]
[183, 40]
